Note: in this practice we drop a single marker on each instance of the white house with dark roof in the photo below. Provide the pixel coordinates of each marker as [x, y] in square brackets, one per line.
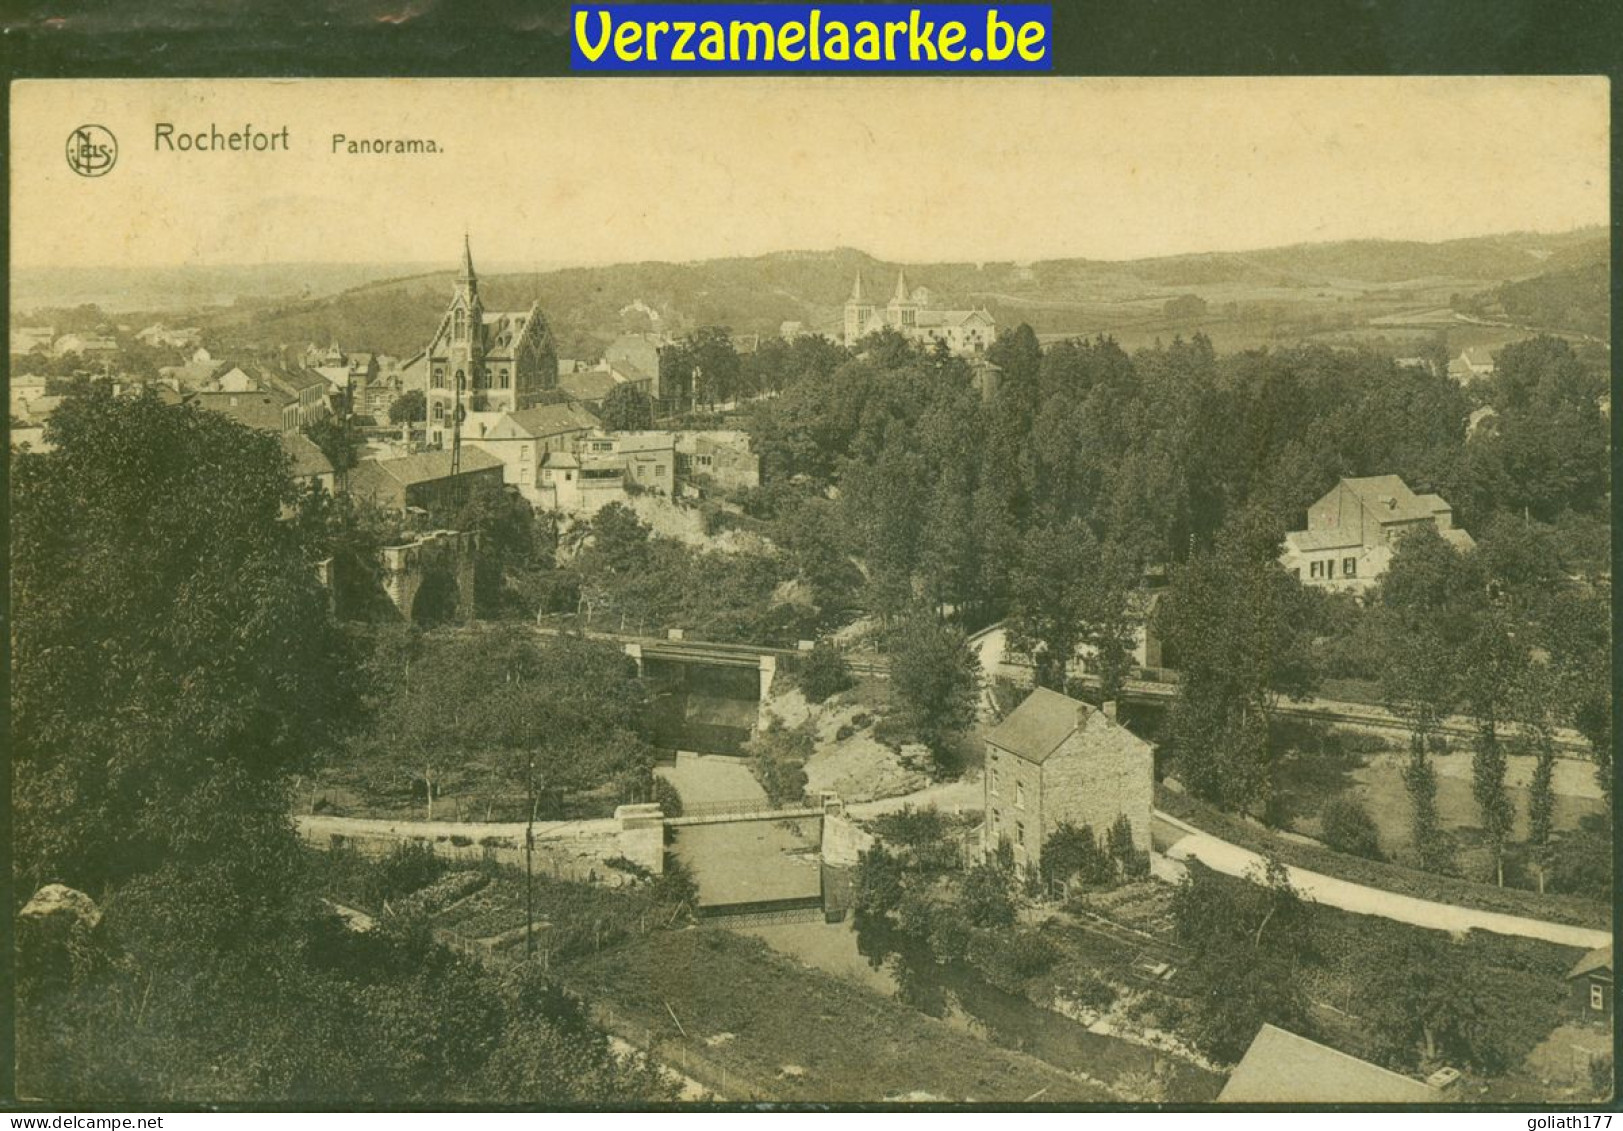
[1055, 760]
[521, 440]
[1353, 529]
[1473, 364]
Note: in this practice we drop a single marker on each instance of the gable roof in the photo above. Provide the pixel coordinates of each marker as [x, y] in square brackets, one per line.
[307, 460]
[425, 467]
[1598, 959]
[542, 420]
[588, 384]
[1389, 498]
[1035, 729]
[1281, 1067]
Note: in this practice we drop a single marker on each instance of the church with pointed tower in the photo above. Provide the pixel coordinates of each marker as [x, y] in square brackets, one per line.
[499, 361]
[914, 315]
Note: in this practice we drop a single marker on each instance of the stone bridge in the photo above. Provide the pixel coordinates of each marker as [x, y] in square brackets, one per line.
[436, 569]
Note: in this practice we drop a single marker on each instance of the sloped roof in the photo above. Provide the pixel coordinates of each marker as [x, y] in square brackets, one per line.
[261, 410]
[1035, 729]
[1391, 500]
[307, 458]
[425, 467]
[544, 420]
[1597, 959]
[1281, 1067]
[587, 385]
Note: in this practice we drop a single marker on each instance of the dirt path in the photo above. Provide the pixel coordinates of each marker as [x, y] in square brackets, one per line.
[1232, 860]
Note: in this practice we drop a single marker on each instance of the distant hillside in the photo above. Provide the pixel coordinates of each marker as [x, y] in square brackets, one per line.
[121, 289]
[1281, 290]
[1578, 299]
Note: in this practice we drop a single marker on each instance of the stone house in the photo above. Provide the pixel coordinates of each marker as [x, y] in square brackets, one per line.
[1055, 760]
[1353, 529]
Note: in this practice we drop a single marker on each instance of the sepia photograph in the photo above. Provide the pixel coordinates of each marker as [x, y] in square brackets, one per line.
[538, 593]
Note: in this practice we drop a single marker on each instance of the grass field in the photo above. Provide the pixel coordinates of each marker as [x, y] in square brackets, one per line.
[815, 1037]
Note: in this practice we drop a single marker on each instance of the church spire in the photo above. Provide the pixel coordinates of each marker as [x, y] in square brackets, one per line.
[901, 287]
[467, 258]
[856, 290]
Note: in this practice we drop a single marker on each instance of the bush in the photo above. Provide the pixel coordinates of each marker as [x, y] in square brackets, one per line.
[1581, 864]
[1029, 953]
[410, 867]
[1349, 828]
[844, 731]
[1092, 991]
[1071, 852]
[824, 673]
[1134, 864]
[861, 720]
[988, 900]
[667, 797]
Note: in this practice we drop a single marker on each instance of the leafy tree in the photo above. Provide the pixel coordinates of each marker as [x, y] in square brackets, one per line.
[988, 896]
[135, 542]
[1070, 852]
[1068, 590]
[824, 673]
[1489, 670]
[338, 441]
[1429, 1000]
[627, 409]
[1241, 630]
[1246, 941]
[935, 678]
[455, 710]
[412, 405]
[879, 881]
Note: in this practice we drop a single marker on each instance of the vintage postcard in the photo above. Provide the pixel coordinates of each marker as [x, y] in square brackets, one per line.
[911, 590]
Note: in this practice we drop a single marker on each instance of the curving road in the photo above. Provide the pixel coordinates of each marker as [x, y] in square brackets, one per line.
[1232, 860]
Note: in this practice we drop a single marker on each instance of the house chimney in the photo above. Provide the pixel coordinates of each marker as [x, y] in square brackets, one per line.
[1109, 709]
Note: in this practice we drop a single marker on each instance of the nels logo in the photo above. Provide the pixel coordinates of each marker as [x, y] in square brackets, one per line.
[92, 150]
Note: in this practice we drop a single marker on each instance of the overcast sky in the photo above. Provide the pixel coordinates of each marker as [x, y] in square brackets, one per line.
[608, 170]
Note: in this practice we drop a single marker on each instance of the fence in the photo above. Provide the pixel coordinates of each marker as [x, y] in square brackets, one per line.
[808, 914]
[748, 807]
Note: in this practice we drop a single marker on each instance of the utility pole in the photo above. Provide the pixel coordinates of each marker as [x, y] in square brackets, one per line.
[529, 864]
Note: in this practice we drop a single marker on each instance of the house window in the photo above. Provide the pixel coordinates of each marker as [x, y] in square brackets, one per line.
[439, 377]
[503, 378]
[991, 781]
[1597, 997]
[1349, 567]
[1315, 570]
[1020, 835]
[1019, 795]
